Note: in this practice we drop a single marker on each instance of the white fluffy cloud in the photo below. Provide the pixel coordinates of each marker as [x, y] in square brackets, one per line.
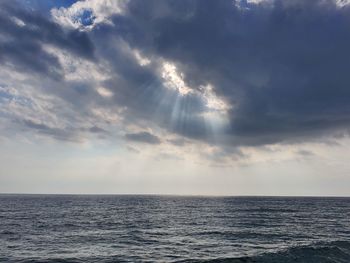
[92, 11]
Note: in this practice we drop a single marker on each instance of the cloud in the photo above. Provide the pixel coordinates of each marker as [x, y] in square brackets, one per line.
[96, 129]
[282, 67]
[305, 153]
[23, 34]
[87, 14]
[224, 73]
[132, 150]
[143, 137]
[59, 134]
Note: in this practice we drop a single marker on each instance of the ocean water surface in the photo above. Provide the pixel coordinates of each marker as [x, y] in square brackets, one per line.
[125, 228]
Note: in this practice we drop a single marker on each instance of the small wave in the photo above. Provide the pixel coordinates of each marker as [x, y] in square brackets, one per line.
[107, 259]
[7, 232]
[334, 252]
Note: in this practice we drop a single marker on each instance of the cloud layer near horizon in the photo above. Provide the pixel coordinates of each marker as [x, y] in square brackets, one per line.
[227, 74]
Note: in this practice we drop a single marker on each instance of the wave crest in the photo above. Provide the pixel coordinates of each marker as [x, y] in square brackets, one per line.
[334, 252]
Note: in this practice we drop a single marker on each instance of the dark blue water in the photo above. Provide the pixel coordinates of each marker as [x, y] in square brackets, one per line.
[48, 228]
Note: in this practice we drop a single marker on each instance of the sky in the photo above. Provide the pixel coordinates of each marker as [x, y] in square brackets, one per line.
[193, 97]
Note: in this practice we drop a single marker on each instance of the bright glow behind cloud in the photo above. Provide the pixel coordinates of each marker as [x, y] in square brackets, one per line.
[174, 79]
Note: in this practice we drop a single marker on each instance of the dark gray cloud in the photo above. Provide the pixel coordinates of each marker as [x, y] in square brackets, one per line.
[96, 129]
[23, 34]
[72, 133]
[144, 137]
[224, 155]
[305, 153]
[282, 66]
[57, 133]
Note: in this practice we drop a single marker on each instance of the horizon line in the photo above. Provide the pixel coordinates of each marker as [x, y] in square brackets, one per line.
[179, 195]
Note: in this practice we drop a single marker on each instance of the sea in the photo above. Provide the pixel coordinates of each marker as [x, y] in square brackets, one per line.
[151, 228]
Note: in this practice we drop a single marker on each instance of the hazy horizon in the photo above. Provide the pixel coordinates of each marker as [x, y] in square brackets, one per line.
[175, 195]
